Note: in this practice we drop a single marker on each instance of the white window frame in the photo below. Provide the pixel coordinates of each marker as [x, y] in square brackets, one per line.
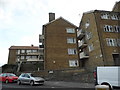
[108, 28]
[70, 30]
[88, 35]
[115, 17]
[90, 47]
[22, 51]
[72, 51]
[71, 40]
[18, 51]
[28, 51]
[118, 42]
[22, 57]
[34, 51]
[105, 16]
[111, 42]
[73, 63]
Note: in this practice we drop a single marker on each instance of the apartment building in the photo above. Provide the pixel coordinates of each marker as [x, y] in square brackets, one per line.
[98, 39]
[116, 7]
[26, 55]
[60, 44]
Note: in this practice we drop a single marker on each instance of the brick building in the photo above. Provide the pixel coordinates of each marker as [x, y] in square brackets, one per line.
[98, 39]
[26, 56]
[116, 7]
[60, 44]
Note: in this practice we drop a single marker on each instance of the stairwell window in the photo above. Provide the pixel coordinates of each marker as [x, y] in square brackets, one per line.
[71, 40]
[70, 30]
[73, 63]
[72, 51]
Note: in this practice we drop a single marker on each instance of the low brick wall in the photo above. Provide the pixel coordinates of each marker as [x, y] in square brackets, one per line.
[80, 75]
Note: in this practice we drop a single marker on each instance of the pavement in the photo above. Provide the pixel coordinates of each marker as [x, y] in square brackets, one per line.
[70, 84]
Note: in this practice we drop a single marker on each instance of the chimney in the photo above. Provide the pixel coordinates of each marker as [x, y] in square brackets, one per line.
[51, 16]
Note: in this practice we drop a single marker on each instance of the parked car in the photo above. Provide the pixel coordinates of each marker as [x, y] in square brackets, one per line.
[108, 75]
[29, 78]
[8, 77]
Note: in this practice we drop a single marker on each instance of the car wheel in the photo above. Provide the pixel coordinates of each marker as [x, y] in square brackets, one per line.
[7, 81]
[31, 83]
[18, 82]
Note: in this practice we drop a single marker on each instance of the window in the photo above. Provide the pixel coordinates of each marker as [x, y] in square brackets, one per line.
[90, 47]
[28, 51]
[114, 17]
[34, 51]
[22, 51]
[70, 30]
[118, 42]
[71, 40]
[73, 63]
[18, 52]
[87, 24]
[22, 57]
[108, 28]
[105, 16]
[117, 28]
[34, 57]
[72, 51]
[28, 57]
[111, 42]
[88, 35]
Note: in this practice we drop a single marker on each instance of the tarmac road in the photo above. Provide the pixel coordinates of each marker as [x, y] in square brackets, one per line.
[54, 84]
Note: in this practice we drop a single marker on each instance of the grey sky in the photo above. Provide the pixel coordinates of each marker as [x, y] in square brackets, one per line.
[21, 20]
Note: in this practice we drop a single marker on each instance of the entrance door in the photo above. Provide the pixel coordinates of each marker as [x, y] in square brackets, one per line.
[116, 58]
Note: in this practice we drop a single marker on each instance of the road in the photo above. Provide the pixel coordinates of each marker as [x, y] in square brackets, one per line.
[53, 84]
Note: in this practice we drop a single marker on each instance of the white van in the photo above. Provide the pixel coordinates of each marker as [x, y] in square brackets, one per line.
[108, 75]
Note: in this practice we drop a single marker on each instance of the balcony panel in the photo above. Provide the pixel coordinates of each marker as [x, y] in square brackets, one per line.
[83, 56]
[80, 34]
[31, 53]
[82, 46]
[32, 60]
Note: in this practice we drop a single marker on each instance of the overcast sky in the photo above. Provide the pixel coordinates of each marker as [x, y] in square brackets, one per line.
[21, 20]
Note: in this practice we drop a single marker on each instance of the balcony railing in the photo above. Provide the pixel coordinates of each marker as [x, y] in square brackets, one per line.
[80, 34]
[33, 53]
[32, 59]
[83, 56]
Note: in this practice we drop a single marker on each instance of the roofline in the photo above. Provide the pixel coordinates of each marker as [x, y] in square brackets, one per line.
[57, 19]
[115, 5]
[93, 11]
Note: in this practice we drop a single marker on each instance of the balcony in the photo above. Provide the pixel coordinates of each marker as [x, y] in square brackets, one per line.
[83, 56]
[82, 44]
[80, 34]
[41, 38]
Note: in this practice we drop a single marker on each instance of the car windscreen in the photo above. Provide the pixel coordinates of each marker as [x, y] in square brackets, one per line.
[11, 75]
[33, 75]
